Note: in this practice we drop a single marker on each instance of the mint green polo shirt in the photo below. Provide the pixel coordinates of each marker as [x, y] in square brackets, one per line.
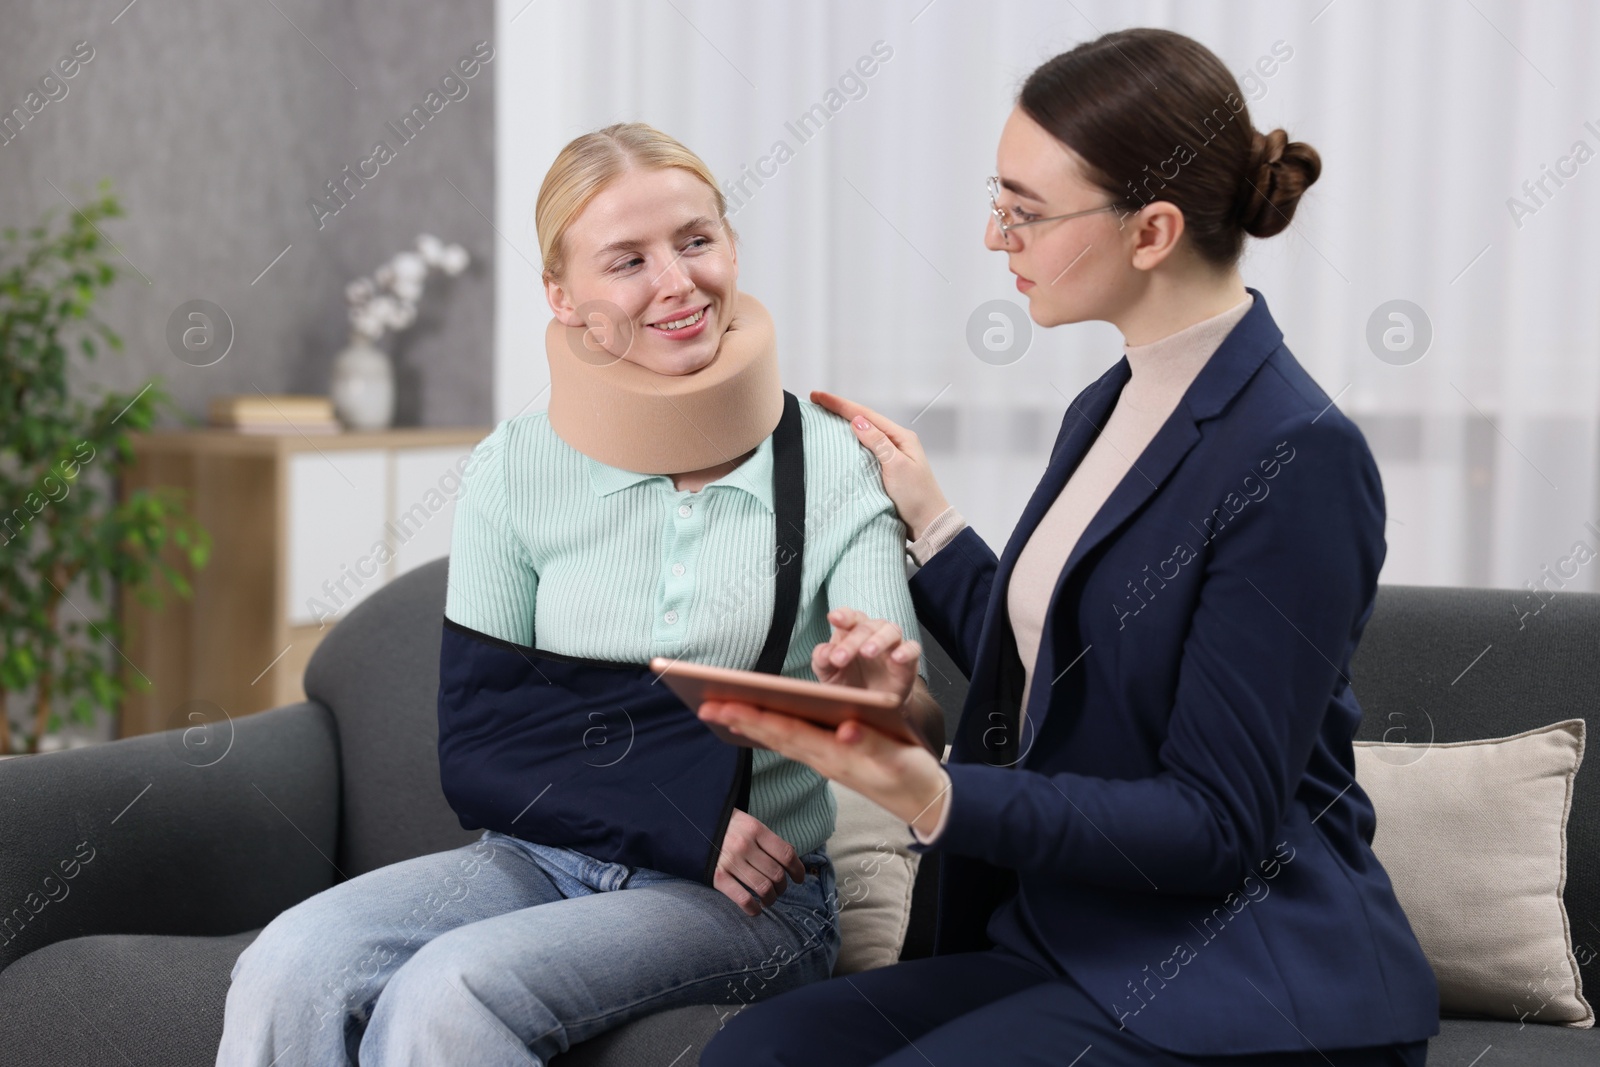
[556, 550]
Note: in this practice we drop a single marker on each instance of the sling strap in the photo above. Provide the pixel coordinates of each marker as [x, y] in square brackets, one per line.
[789, 525]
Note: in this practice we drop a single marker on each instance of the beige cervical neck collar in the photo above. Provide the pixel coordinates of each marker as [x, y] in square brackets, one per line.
[627, 416]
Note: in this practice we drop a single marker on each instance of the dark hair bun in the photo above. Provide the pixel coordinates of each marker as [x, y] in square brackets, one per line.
[1280, 170]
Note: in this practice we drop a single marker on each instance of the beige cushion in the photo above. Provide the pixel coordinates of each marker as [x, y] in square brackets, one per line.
[874, 872]
[1474, 837]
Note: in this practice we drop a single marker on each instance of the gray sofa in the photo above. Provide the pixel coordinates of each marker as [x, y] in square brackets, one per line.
[130, 964]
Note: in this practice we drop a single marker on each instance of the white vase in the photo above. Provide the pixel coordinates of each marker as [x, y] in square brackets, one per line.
[363, 386]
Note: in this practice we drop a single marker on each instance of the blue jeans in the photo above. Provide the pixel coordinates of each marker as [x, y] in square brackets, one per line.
[506, 952]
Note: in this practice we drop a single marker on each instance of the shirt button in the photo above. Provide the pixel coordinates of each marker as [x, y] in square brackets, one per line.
[677, 568]
[684, 510]
[672, 616]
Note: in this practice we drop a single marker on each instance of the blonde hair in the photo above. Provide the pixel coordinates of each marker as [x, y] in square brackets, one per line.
[591, 162]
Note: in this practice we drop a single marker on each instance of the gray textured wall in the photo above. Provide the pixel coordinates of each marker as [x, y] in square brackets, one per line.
[217, 121]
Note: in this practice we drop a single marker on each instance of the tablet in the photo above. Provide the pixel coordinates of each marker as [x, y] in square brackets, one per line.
[816, 702]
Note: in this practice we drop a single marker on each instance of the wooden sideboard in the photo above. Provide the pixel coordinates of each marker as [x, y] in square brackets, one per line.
[303, 527]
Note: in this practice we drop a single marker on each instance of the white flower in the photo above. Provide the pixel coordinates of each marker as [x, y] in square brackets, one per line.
[453, 260]
[364, 322]
[388, 300]
[384, 309]
[408, 266]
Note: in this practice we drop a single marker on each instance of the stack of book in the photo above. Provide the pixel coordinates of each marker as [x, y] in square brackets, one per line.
[281, 413]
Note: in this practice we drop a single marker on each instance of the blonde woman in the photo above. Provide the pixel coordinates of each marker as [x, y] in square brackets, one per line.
[673, 501]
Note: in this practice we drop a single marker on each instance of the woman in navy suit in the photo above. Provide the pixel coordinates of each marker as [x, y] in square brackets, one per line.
[1154, 849]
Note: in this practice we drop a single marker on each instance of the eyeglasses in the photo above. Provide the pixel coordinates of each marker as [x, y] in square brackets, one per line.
[1006, 226]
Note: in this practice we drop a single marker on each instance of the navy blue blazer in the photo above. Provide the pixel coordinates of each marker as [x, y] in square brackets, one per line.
[1175, 824]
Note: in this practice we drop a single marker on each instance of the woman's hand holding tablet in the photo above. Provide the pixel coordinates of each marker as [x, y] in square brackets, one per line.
[827, 705]
[866, 672]
[890, 763]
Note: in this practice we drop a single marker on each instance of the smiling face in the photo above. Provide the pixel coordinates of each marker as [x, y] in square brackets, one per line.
[652, 245]
[1072, 270]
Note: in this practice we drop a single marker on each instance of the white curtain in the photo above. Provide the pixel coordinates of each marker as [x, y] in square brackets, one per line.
[865, 240]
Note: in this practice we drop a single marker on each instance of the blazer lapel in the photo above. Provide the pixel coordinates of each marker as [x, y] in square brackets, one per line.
[1149, 471]
[1238, 358]
[1079, 426]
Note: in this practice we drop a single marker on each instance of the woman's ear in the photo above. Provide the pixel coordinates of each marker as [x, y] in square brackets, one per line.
[561, 303]
[1156, 230]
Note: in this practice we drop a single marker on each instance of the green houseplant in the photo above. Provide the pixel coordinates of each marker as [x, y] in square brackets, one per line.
[67, 544]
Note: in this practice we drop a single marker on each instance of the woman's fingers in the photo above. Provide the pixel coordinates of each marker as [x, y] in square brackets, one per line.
[729, 886]
[850, 646]
[878, 641]
[821, 665]
[763, 886]
[881, 638]
[845, 621]
[902, 464]
[753, 847]
[784, 734]
[779, 853]
[896, 774]
[874, 440]
[907, 652]
[756, 860]
[883, 436]
[760, 872]
[849, 409]
[889, 662]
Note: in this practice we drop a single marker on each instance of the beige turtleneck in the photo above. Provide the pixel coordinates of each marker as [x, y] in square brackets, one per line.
[1161, 373]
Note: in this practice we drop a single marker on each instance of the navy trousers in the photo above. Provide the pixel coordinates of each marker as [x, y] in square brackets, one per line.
[971, 1008]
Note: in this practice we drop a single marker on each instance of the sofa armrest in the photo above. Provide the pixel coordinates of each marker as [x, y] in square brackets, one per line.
[140, 836]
